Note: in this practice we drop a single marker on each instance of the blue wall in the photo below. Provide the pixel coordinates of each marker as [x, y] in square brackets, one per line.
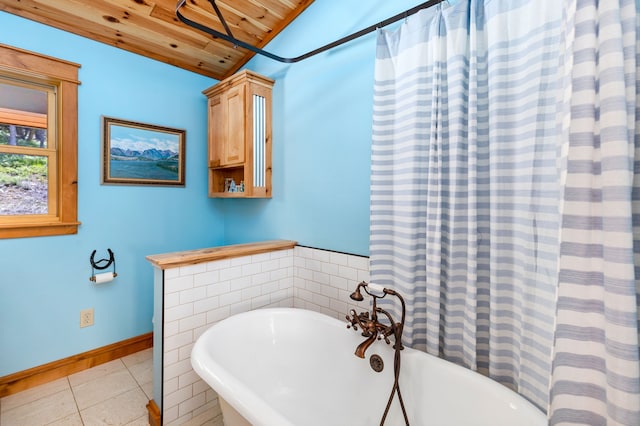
[321, 158]
[44, 281]
[321, 131]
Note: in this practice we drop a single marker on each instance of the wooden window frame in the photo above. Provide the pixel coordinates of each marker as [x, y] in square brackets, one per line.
[63, 75]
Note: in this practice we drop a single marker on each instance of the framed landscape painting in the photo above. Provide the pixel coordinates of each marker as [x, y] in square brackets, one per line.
[142, 154]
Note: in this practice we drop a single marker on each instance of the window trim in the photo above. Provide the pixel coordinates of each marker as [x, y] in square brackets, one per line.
[64, 76]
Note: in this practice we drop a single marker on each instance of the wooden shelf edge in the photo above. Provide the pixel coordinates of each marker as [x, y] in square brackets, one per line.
[236, 195]
[192, 257]
[228, 166]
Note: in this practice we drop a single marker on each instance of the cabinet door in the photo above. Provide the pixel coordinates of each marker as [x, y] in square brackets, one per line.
[233, 149]
[217, 131]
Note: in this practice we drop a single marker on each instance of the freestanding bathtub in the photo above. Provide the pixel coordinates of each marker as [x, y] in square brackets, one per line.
[285, 366]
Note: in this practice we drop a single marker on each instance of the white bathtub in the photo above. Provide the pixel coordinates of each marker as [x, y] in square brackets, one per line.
[280, 367]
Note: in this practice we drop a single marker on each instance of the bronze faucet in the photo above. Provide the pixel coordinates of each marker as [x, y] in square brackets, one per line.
[373, 329]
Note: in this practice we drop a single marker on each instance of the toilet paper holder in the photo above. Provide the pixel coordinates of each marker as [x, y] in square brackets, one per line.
[102, 264]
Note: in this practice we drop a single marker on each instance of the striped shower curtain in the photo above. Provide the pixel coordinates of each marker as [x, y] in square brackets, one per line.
[504, 200]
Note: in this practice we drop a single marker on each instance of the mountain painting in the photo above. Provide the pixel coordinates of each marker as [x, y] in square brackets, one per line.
[143, 154]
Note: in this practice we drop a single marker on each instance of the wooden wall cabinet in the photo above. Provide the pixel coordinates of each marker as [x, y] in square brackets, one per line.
[239, 120]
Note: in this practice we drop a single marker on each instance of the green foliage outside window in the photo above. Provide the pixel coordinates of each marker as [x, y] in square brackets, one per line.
[17, 169]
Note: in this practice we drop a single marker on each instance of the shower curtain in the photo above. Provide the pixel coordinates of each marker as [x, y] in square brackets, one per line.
[504, 196]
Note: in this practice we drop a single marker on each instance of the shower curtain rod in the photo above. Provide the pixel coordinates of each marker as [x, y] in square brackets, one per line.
[231, 39]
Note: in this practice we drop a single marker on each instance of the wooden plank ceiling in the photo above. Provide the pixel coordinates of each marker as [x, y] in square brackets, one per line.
[151, 28]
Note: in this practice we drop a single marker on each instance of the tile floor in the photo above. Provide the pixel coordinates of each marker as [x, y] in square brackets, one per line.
[114, 393]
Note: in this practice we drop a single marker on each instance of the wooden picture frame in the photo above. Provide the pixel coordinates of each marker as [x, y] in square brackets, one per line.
[142, 154]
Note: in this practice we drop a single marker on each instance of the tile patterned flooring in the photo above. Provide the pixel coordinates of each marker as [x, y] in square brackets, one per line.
[114, 393]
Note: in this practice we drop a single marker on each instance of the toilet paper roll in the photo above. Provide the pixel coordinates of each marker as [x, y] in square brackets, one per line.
[103, 278]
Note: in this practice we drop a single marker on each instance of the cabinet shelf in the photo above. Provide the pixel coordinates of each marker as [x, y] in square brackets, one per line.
[225, 167]
[239, 121]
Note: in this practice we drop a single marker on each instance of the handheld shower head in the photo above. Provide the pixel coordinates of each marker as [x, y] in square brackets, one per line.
[357, 295]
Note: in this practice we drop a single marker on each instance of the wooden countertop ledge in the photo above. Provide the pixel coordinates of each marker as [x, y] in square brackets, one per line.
[192, 257]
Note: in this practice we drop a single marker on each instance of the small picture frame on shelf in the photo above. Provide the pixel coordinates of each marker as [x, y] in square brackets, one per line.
[142, 154]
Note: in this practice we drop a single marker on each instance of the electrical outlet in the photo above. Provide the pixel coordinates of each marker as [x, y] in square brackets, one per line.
[86, 317]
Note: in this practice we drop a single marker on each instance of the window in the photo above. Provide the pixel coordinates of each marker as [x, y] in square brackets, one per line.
[38, 144]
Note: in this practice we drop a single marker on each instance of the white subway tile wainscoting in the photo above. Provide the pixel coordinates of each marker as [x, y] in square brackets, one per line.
[197, 296]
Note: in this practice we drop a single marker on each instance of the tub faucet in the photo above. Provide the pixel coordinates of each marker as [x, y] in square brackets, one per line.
[371, 328]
